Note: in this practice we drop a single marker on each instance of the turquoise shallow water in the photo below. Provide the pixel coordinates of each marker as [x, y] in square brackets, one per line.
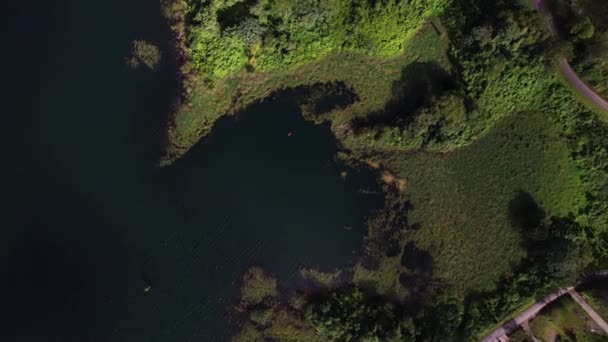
[88, 219]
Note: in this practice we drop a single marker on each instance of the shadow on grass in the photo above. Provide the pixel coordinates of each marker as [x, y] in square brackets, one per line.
[416, 260]
[418, 85]
[419, 264]
[524, 212]
[235, 14]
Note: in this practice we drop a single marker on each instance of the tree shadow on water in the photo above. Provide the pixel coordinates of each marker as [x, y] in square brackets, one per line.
[321, 98]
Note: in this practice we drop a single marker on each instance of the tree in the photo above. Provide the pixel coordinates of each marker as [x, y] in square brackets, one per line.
[347, 314]
[250, 31]
[582, 29]
[562, 259]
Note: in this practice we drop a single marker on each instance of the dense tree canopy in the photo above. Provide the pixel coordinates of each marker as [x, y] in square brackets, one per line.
[349, 315]
[226, 35]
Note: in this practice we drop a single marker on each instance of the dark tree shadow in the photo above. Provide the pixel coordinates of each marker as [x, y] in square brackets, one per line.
[393, 248]
[524, 212]
[416, 260]
[419, 263]
[235, 14]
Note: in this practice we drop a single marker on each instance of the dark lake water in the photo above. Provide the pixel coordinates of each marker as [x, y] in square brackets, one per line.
[87, 218]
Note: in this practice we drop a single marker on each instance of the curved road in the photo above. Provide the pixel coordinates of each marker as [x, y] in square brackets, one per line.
[583, 88]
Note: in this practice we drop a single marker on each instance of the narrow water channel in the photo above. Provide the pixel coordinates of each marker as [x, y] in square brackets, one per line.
[88, 220]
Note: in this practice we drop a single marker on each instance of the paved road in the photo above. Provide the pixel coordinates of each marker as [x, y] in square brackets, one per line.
[588, 309]
[581, 86]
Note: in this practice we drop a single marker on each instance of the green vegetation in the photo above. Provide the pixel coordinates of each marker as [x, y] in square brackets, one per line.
[227, 36]
[381, 267]
[265, 316]
[565, 320]
[499, 69]
[519, 336]
[346, 315]
[352, 314]
[145, 53]
[557, 252]
[323, 279]
[282, 324]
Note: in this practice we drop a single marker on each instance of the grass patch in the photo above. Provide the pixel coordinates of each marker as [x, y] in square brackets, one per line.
[461, 199]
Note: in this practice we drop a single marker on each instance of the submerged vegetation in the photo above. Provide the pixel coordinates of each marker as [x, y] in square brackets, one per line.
[257, 287]
[145, 53]
[496, 174]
